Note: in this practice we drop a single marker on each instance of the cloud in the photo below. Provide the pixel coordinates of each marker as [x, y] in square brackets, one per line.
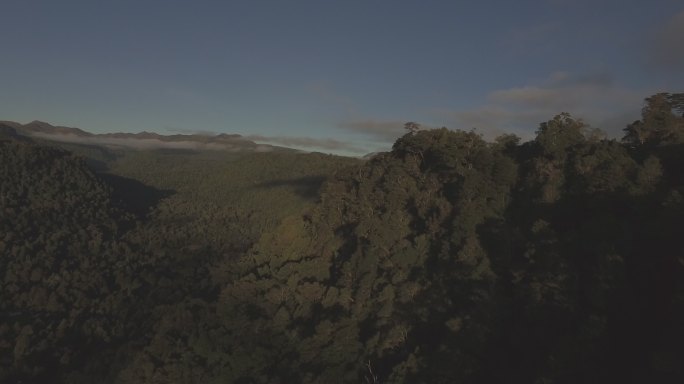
[379, 132]
[492, 120]
[309, 143]
[197, 141]
[382, 131]
[135, 143]
[594, 98]
[668, 45]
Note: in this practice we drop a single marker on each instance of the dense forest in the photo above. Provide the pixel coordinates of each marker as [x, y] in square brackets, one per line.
[449, 259]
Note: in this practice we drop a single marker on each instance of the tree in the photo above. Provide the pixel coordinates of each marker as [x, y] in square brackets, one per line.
[412, 127]
[677, 102]
[560, 133]
[659, 124]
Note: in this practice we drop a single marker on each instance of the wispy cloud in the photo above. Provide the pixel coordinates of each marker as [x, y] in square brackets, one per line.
[309, 143]
[491, 120]
[382, 131]
[592, 97]
[564, 92]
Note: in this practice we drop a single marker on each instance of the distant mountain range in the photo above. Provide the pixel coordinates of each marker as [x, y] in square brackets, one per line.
[143, 140]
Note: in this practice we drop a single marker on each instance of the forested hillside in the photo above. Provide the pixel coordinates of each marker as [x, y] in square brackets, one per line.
[93, 262]
[455, 260]
[63, 265]
[448, 259]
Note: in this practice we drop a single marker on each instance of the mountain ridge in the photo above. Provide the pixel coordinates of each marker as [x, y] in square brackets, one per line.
[140, 140]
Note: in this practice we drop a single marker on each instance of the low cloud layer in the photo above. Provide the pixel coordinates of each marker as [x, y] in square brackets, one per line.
[132, 143]
[243, 143]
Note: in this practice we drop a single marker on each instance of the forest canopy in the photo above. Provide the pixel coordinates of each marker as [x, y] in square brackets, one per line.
[447, 259]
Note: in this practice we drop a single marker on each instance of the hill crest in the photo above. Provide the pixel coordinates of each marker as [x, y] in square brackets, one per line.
[141, 140]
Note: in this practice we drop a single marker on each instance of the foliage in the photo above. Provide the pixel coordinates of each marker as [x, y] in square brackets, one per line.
[660, 123]
[448, 259]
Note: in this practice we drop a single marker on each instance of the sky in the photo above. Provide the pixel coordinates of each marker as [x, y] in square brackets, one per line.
[335, 76]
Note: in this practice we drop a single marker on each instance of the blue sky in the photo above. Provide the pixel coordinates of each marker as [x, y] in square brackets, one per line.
[338, 76]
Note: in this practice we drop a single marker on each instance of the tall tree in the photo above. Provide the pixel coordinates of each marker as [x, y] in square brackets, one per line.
[659, 123]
